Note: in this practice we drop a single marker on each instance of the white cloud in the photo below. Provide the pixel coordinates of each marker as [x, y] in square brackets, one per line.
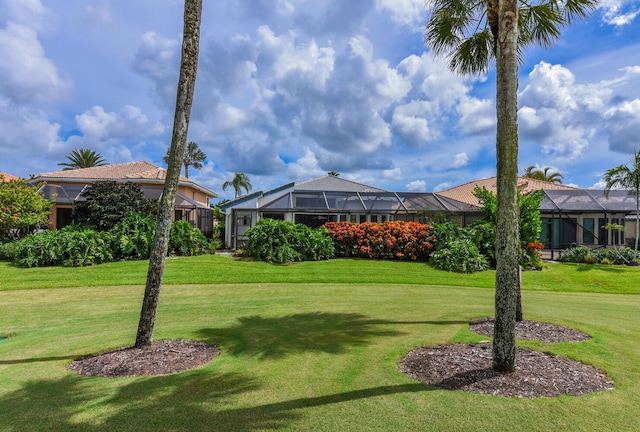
[158, 59]
[410, 123]
[304, 168]
[619, 12]
[26, 74]
[460, 160]
[416, 186]
[623, 126]
[477, 116]
[411, 13]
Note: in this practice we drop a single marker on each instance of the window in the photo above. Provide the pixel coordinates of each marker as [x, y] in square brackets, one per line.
[374, 218]
[588, 233]
[276, 216]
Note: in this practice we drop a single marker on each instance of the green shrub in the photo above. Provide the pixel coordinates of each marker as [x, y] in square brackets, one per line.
[461, 256]
[66, 247]
[187, 240]
[615, 256]
[574, 255]
[284, 242]
[133, 236]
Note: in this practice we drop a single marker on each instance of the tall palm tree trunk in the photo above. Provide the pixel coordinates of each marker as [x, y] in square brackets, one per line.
[507, 232]
[184, 100]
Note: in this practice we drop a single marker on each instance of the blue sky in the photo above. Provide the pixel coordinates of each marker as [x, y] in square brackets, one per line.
[288, 90]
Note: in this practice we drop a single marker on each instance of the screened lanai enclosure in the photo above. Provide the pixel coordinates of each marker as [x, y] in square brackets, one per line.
[586, 217]
[570, 217]
[315, 208]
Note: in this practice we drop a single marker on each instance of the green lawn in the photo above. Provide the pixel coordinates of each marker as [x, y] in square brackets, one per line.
[311, 346]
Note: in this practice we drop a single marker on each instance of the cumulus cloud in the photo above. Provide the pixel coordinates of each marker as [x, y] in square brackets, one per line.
[305, 167]
[416, 186]
[563, 116]
[619, 12]
[26, 74]
[623, 126]
[158, 59]
[410, 13]
[460, 160]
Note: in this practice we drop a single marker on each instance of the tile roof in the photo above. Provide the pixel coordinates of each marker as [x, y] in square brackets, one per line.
[140, 170]
[7, 177]
[464, 192]
[129, 170]
[335, 184]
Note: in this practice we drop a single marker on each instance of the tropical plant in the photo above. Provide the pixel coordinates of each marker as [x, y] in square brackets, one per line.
[83, 158]
[22, 209]
[543, 174]
[184, 100]
[282, 242]
[471, 34]
[103, 204]
[193, 157]
[461, 256]
[240, 181]
[186, 240]
[626, 177]
[397, 240]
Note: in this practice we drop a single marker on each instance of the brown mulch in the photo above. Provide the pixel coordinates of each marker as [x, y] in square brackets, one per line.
[467, 367]
[531, 330]
[160, 358]
[460, 366]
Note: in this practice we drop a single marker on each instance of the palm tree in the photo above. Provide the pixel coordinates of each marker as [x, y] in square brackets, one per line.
[192, 157]
[83, 158]
[471, 34]
[544, 175]
[465, 31]
[240, 181]
[184, 101]
[627, 178]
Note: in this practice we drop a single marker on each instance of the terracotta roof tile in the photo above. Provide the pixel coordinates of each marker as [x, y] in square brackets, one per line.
[140, 170]
[464, 192]
[8, 177]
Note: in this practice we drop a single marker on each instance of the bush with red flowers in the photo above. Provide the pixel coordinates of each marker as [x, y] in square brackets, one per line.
[388, 240]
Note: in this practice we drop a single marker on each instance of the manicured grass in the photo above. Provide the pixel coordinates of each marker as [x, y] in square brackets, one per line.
[312, 346]
[209, 269]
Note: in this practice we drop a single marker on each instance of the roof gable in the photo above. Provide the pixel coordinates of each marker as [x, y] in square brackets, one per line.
[335, 184]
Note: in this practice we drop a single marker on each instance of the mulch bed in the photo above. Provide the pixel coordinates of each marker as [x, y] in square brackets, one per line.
[467, 367]
[160, 358]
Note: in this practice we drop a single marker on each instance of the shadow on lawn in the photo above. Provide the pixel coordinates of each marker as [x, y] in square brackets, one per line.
[193, 401]
[275, 337]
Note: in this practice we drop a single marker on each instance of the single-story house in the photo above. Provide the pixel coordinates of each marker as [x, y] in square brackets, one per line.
[192, 201]
[570, 216]
[334, 199]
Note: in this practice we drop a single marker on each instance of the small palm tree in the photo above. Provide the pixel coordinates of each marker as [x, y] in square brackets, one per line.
[193, 156]
[628, 178]
[83, 158]
[544, 175]
[240, 181]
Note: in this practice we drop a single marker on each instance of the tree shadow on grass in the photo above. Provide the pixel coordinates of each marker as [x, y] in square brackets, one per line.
[184, 402]
[589, 267]
[275, 337]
